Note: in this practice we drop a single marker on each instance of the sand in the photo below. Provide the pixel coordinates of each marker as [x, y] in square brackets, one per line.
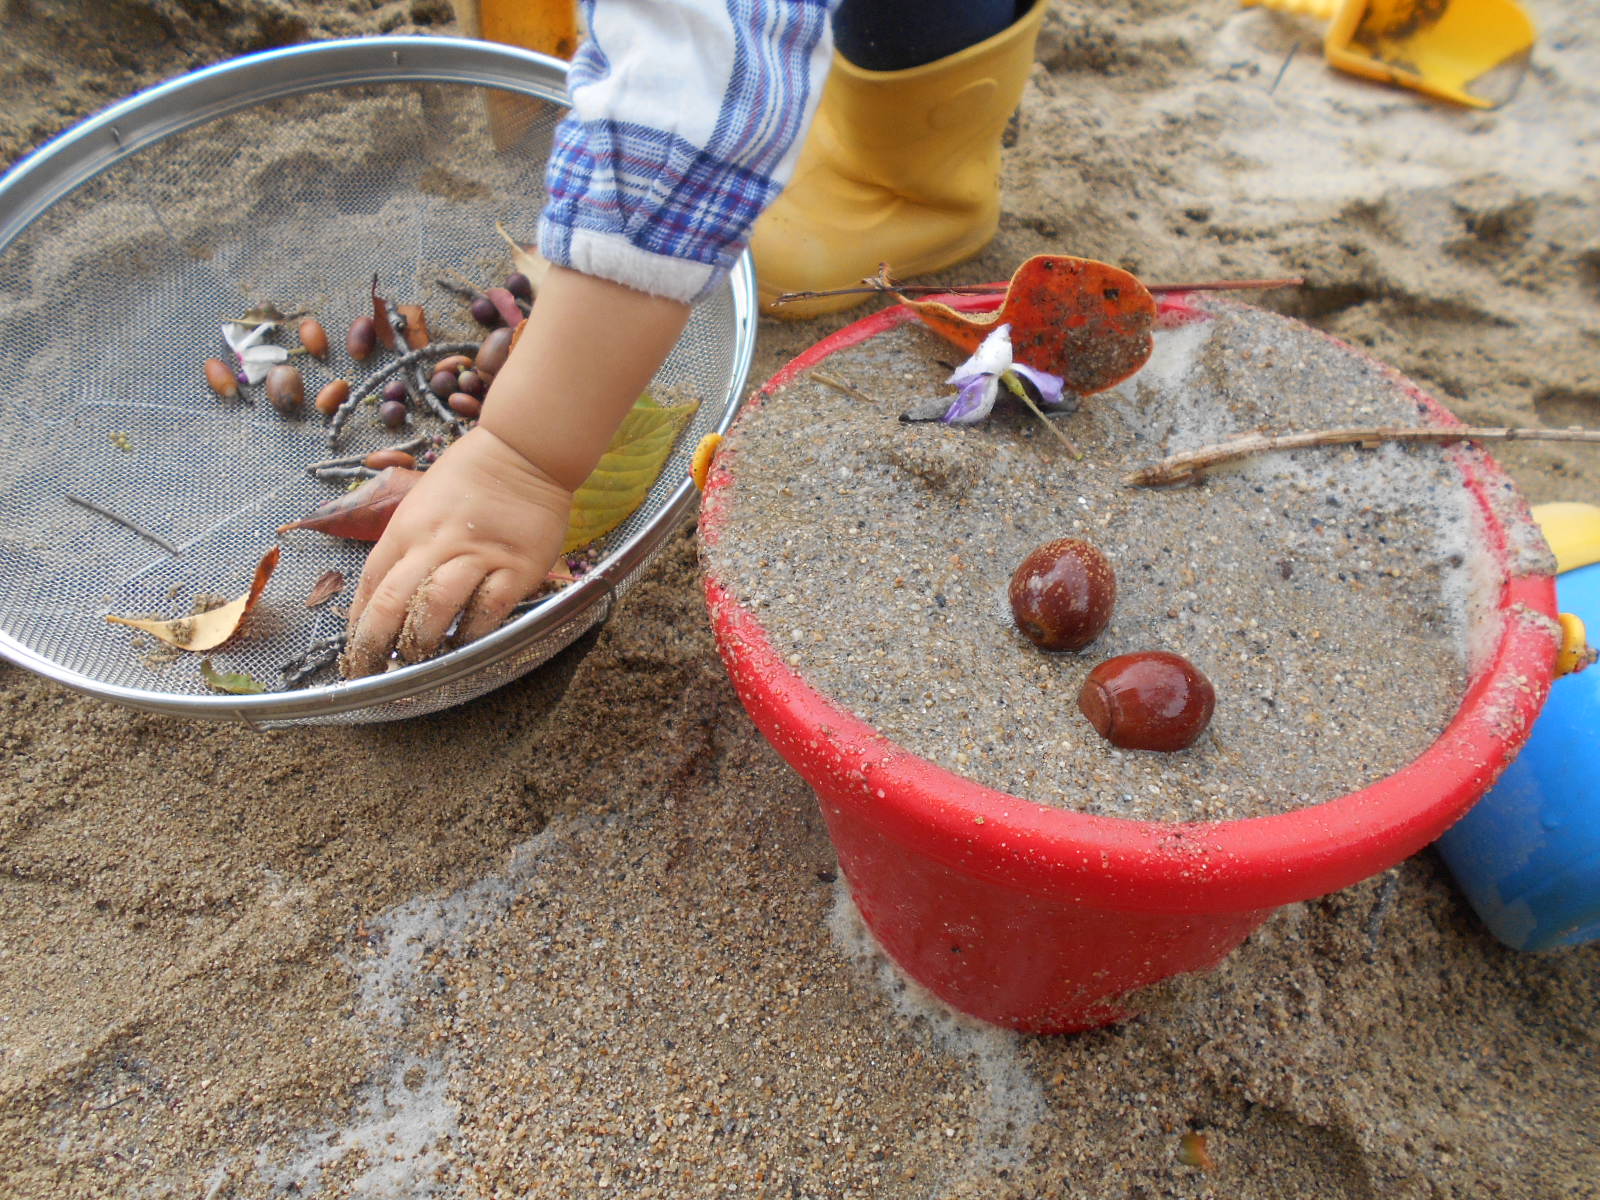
[585, 936]
[876, 554]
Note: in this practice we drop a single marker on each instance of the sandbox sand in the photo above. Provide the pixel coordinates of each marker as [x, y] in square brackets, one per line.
[584, 937]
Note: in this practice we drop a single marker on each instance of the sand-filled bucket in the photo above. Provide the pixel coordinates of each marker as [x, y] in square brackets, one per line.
[1045, 919]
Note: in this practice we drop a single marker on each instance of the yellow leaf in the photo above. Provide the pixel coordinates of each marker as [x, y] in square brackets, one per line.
[208, 630]
[626, 471]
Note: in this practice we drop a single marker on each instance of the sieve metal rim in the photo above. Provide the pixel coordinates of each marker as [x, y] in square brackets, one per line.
[60, 166]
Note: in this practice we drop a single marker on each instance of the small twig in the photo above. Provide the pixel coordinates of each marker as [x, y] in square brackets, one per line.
[125, 523]
[371, 383]
[1287, 59]
[352, 460]
[322, 652]
[893, 287]
[1190, 464]
[1380, 910]
[119, 1100]
[1016, 388]
[840, 385]
[352, 471]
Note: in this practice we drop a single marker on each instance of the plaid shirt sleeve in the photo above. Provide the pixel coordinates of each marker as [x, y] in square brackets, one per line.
[686, 122]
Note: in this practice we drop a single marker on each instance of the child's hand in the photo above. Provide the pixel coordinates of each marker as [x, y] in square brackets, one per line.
[481, 529]
[476, 535]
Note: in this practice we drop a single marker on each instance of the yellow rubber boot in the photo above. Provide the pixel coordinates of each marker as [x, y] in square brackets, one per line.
[901, 167]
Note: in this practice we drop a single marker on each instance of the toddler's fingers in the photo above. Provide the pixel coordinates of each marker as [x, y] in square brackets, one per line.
[380, 561]
[496, 596]
[434, 607]
[374, 633]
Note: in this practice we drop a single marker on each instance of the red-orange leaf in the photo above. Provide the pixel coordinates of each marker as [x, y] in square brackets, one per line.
[363, 513]
[1086, 321]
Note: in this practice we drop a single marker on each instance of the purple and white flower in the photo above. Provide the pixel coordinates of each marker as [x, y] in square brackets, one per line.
[981, 376]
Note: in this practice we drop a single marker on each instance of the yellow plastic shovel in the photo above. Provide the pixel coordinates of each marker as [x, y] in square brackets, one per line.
[1473, 52]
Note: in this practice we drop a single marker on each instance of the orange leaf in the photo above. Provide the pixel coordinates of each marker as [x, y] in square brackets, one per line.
[1086, 321]
[208, 630]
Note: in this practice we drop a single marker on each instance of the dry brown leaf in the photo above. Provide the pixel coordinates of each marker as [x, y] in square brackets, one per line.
[328, 585]
[207, 630]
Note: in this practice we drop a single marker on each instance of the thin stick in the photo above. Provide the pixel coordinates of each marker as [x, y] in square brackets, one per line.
[1192, 463]
[371, 382]
[125, 523]
[840, 385]
[352, 460]
[989, 289]
[1287, 59]
[1015, 387]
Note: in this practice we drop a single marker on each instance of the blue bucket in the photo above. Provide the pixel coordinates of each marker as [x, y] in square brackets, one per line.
[1527, 855]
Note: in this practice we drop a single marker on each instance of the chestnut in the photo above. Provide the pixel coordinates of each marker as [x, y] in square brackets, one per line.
[1148, 700]
[1062, 594]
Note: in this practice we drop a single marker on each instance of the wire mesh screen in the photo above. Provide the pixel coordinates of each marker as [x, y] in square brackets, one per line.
[115, 295]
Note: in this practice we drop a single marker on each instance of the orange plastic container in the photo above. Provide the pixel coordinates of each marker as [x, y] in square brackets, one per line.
[1045, 920]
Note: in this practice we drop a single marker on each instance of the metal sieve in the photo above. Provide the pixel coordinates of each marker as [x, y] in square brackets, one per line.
[291, 178]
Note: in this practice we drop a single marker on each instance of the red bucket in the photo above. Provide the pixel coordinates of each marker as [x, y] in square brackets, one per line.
[1044, 920]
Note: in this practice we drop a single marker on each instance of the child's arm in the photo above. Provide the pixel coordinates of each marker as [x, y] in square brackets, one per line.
[484, 525]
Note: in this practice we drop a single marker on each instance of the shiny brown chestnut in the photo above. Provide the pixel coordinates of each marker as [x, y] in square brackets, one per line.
[1149, 700]
[1062, 594]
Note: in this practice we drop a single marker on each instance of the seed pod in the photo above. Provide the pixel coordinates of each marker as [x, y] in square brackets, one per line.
[314, 338]
[222, 379]
[472, 384]
[493, 353]
[1151, 700]
[395, 390]
[416, 325]
[332, 396]
[286, 389]
[443, 383]
[506, 305]
[466, 406]
[392, 413]
[379, 459]
[363, 339]
[520, 286]
[484, 312]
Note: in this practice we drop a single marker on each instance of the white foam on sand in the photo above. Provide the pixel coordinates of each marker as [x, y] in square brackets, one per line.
[405, 1119]
[1013, 1101]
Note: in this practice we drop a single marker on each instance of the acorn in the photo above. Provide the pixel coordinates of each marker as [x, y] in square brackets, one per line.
[1148, 700]
[483, 311]
[362, 339]
[465, 406]
[443, 382]
[520, 286]
[314, 338]
[332, 396]
[396, 390]
[286, 389]
[472, 383]
[493, 353]
[392, 413]
[391, 457]
[221, 379]
[1062, 594]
